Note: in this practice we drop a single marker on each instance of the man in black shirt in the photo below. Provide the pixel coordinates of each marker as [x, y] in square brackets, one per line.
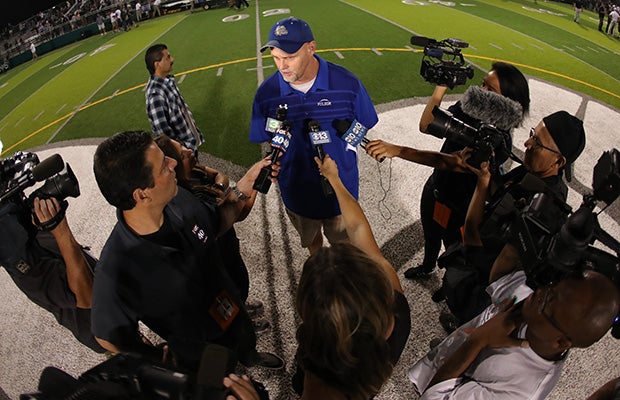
[161, 264]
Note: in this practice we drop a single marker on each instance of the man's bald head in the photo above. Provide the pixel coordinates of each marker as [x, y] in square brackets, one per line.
[589, 304]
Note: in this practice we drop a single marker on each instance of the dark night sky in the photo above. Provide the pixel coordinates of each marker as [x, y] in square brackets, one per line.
[23, 9]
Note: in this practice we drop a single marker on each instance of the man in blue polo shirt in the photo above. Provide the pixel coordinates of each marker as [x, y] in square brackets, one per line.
[311, 89]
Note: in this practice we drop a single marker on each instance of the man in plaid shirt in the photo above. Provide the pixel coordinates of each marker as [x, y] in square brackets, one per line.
[165, 106]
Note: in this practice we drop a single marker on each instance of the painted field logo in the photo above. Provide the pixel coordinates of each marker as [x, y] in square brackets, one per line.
[324, 103]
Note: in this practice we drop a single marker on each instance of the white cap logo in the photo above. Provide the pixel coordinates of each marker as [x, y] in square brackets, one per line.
[280, 31]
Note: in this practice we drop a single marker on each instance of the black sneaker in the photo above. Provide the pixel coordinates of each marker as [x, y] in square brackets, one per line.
[434, 343]
[254, 308]
[419, 272]
[261, 326]
[267, 360]
[438, 296]
[448, 322]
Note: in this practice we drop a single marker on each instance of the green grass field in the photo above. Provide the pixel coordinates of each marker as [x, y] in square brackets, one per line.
[94, 88]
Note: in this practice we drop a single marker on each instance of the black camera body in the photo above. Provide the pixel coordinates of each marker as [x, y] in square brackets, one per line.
[443, 63]
[552, 240]
[23, 170]
[484, 140]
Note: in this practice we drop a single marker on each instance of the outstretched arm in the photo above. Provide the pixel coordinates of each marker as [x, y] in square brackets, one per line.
[358, 228]
[379, 149]
[435, 100]
[79, 274]
[231, 211]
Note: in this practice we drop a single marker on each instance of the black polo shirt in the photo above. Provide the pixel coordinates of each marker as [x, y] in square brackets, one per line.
[179, 290]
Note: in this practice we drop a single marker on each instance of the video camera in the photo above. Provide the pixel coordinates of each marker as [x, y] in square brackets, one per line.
[450, 71]
[484, 141]
[132, 376]
[23, 170]
[554, 242]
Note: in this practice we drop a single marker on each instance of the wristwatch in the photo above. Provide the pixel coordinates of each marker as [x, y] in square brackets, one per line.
[240, 194]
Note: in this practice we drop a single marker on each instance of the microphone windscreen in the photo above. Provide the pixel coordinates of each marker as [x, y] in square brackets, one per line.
[421, 41]
[341, 126]
[313, 125]
[48, 167]
[492, 108]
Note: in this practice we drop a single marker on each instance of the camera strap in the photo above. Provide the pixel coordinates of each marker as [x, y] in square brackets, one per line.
[53, 222]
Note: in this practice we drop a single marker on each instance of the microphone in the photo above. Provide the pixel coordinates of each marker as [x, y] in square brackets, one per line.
[352, 132]
[492, 108]
[318, 138]
[279, 143]
[422, 41]
[48, 167]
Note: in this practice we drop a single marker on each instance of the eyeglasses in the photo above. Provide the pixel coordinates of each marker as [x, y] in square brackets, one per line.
[536, 140]
[548, 294]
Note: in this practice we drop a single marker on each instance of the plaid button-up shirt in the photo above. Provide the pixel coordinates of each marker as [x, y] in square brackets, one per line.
[169, 113]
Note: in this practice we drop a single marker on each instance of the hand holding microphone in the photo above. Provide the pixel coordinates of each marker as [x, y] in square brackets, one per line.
[318, 138]
[280, 128]
[354, 133]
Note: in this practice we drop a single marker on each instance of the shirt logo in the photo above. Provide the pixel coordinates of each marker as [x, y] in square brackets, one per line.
[324, 103]
[23, 267]
[200, 234]
[280, 31]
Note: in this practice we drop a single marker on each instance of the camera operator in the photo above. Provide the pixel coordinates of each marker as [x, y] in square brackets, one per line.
[517, 346]
[552, 147]
[446, 194]
[49, 266]
[161, 264]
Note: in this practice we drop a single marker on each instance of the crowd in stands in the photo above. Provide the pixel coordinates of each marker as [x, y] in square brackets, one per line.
[66, 17]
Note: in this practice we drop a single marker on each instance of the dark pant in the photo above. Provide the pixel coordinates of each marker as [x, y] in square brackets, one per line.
[434, 233]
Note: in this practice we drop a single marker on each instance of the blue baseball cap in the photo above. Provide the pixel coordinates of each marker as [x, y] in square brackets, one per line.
[288, 35]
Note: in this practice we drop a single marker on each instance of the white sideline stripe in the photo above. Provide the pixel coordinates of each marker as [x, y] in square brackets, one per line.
[265, 67]
[410, 48]
[473, 47]
[517, 46]
[339, 55]
[398, 26]
[377, 52]
[380, 17]
[182, 78]
[260, 77]
[582, 49]
[568, 48]
[496, 46]
[61, 107]
[219, 71]
[115, 92]
[140, 53]
[38, 115]
[19, 122]
[536, 46]
[3, 126]
[593, 49]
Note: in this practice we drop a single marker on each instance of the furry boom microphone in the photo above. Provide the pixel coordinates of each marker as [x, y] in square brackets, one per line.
[492, 108]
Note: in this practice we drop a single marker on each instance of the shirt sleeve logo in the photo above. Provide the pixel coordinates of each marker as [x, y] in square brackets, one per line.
[324, 103]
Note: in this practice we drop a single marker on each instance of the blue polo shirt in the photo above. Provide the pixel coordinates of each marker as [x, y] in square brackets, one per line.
[336, 94]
